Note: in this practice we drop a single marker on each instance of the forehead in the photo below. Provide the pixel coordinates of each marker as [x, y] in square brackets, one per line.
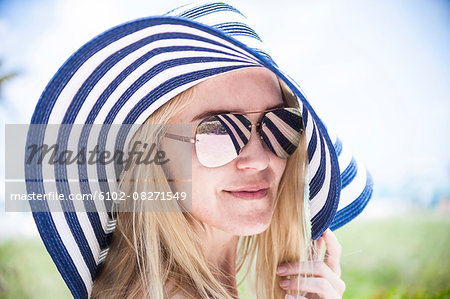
[243, 90]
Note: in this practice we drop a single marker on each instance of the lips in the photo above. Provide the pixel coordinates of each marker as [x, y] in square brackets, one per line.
[249, 188]
[249, 192]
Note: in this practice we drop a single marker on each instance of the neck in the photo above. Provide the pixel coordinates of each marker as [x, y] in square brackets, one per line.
[220, 248]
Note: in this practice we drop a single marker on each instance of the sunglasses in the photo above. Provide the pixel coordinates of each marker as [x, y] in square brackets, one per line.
[219, 139]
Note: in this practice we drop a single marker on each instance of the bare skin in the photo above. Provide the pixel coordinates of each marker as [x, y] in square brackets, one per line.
[324, 280]
[224, 216]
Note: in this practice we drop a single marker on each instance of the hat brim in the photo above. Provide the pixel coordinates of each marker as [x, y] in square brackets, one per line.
[121, 77]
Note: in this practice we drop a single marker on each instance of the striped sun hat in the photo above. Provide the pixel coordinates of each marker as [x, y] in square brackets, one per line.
[121, 77]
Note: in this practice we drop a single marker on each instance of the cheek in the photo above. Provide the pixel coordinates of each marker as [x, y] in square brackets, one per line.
[203, 182]
[279, 166]
[205, 207]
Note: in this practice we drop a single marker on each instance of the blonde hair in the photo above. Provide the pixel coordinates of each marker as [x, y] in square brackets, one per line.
[149, 250]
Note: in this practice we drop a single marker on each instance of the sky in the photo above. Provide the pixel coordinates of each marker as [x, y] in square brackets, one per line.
[376, 72]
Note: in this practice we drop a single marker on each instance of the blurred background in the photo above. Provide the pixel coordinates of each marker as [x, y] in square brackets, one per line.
[376, 72]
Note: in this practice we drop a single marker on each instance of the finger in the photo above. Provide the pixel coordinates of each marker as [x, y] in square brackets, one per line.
[333, 252]
[318, 249]
[312, 296]
[311, 268]
[317, 285]
[316, 269]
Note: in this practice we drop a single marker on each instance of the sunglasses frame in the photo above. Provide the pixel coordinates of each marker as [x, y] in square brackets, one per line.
[193, 140]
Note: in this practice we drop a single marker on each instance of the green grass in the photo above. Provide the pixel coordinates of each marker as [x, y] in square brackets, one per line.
[403, 257]
[406, 257]
[27, 271]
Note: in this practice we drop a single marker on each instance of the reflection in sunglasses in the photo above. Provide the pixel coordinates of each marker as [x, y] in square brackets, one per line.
[220, 138]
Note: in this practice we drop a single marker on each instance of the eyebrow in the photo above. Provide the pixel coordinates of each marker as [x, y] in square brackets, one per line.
[209, 113]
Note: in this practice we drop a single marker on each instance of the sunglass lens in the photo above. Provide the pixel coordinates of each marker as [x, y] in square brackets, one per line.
[282, 129]
[220, 138]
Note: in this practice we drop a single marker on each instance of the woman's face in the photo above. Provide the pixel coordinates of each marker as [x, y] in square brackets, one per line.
[215, 201]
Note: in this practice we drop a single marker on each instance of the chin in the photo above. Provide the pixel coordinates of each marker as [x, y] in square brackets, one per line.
[252, 231]
[253, 227]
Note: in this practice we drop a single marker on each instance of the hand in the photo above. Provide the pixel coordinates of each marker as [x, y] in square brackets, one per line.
[324, 279]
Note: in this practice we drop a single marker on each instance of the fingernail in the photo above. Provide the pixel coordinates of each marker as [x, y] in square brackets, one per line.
[281, 269]
[284, 283]
[289, 296]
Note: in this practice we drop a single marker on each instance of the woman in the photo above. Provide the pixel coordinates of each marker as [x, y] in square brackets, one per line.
[200, 65]
[224, 214]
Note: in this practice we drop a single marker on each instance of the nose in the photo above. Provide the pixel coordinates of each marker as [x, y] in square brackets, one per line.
[255, 154]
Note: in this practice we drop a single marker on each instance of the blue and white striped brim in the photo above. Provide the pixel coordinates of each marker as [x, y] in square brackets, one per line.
[126, 73]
